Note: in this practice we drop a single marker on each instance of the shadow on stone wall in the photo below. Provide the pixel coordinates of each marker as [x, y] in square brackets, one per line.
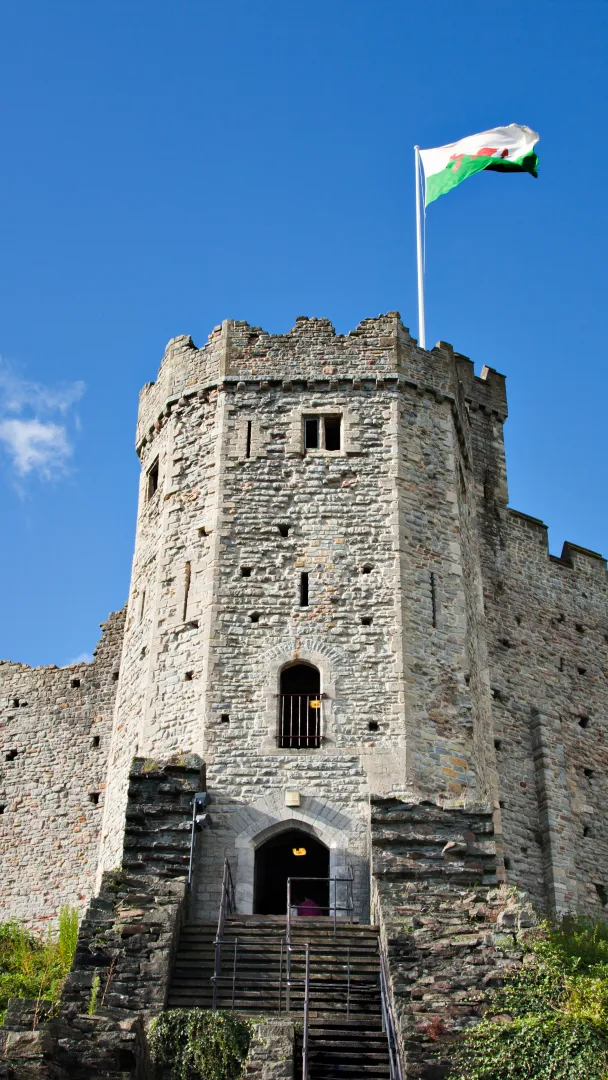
[450, 932]
[126, 945]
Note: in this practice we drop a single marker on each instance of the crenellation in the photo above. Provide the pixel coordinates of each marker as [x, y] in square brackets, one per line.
[337, 501]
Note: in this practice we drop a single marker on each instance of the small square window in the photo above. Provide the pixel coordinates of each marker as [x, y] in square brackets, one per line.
[323, 433]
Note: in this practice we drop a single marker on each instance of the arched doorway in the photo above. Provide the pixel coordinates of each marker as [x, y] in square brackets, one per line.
[291, 854]
[300, 707]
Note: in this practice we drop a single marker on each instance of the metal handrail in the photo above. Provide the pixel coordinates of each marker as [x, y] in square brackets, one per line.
[243, 948]
[199, 818]
[348, 907]
[388, 1019]
[227, 907]
[306, 1013]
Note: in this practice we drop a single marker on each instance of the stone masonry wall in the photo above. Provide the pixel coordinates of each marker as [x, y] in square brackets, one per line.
[55, 729]
[548, 649]
[449, 930]
[458, 660]
[379, 530]
[126, 945]
[271, 1051]
[547, 633]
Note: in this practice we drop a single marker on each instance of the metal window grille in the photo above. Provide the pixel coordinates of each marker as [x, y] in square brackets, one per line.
[300, 721]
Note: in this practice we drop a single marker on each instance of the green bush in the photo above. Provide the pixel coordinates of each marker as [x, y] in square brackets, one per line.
[200, 1045]
[33, 966]
[550, 1019]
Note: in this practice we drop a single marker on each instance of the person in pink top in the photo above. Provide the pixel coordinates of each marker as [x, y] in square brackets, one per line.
[309, 907]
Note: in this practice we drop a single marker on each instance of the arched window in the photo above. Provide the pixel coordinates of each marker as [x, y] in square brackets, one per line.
[300, 707]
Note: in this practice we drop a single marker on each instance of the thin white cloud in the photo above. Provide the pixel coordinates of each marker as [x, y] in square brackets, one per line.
[34, 445]
[17, 393]
[34, 419]
[82, 658]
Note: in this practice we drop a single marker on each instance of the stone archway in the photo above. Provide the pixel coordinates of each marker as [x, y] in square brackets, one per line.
[294, 854]
[259, 822]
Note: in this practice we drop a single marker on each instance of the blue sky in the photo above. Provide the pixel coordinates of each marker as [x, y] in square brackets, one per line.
[165, 166]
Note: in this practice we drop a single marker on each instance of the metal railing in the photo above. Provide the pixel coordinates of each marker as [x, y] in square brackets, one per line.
[244, 952]
[306, 1014]
[199, 819]
[227, 907]
[388, 1019]
[348, 907]
[240, 959]
[331, 909]
[300, 721]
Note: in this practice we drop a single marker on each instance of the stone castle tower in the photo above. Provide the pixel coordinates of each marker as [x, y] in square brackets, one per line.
[330, 601]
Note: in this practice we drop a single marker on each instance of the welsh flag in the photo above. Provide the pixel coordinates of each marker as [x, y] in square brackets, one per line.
[503, 149]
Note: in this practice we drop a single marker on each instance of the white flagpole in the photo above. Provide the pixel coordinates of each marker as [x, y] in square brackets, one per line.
[421, 334]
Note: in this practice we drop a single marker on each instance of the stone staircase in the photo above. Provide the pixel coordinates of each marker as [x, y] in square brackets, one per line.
[345, 1029]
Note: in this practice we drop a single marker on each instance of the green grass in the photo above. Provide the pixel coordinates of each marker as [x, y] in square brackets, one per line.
[32, 965]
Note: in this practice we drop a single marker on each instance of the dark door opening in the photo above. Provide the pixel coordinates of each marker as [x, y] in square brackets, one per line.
[300, 707]
[275, 861]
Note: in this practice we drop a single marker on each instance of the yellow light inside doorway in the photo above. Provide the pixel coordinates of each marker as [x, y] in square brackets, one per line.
[298, 850]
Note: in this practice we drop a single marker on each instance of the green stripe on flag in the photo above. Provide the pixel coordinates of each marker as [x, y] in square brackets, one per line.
[466, 165]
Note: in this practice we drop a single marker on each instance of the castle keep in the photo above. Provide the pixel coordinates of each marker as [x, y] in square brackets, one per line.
[333, 606]
[323, 519]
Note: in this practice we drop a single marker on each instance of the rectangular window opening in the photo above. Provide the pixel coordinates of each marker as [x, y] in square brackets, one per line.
[434, 599]
[332, 432]
[248, 446]
[311, 433]
[153, 479]
[187, 577]
[304, 590]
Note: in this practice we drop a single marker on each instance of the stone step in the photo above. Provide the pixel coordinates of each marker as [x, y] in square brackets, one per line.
[263, 1005]
[368, 1001]
[202, 966]
[323, 925]
[343, 1055]
[340, 1030]
[329, 1071]
[351, 1044]
[333, 989]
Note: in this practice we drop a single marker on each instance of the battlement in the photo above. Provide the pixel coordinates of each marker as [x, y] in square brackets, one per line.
[313, 352]
[532, 535]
